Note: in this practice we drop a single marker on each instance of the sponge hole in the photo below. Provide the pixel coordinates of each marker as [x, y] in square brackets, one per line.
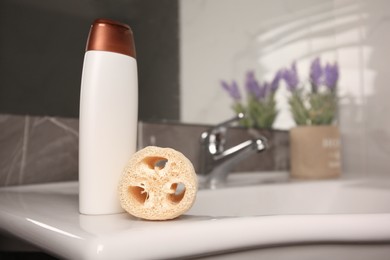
[155, 162]
[179, 190]
[138, 193]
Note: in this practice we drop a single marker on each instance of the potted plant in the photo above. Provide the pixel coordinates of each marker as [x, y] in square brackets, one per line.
[260, 105]
[315, 141]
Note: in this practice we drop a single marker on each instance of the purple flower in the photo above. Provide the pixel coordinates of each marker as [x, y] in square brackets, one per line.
[232, 90]
[275, 82]
[253, 87]
[331, 76]
[315, 74]
[266, 88]
[291, 77]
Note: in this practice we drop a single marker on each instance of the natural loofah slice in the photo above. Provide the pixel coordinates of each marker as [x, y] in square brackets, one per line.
[158, 184]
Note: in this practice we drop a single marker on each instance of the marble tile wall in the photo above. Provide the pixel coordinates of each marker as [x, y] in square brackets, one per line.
[37, 149]
[45, 149]
[186, 139]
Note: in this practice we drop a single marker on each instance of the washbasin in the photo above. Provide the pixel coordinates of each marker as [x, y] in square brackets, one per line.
[225, 220]
[276, 195]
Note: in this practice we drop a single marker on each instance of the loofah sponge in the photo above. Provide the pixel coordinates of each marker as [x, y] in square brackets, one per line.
[158, 184]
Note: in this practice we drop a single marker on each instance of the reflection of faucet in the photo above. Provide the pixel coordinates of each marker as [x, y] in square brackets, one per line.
[215, 161]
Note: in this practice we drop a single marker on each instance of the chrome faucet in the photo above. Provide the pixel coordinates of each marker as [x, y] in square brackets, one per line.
[216, 162]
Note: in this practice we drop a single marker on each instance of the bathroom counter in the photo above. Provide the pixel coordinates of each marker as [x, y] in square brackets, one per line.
[47, 216]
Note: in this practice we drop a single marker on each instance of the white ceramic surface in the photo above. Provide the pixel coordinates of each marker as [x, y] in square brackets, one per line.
[226, 219]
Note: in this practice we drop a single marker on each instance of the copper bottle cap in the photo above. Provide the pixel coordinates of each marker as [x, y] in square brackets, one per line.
[113, 36]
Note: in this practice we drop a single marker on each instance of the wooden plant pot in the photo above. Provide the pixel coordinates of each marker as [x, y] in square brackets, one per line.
[315, 152]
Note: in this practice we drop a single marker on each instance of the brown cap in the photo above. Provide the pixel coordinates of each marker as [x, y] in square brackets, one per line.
[113, 36]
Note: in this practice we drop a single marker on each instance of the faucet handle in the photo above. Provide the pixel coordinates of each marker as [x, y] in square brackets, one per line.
[221, 127]
[229, 122]
[215, 136]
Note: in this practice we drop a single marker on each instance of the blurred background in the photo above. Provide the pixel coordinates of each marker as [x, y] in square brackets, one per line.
[184, 49]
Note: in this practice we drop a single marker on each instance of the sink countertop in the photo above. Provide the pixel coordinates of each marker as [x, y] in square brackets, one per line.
[47, 216]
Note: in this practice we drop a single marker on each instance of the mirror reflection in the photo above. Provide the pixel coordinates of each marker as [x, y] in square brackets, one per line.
[223, 40]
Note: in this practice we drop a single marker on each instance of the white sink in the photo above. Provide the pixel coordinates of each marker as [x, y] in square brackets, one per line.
[222, 220]
[294, 197]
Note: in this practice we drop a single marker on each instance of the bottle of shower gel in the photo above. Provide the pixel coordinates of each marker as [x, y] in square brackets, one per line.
[108, 115]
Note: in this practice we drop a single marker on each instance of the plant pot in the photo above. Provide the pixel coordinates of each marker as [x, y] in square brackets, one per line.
[315, 152]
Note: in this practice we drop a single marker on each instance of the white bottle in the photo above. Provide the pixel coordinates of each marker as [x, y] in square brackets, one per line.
[108, 115]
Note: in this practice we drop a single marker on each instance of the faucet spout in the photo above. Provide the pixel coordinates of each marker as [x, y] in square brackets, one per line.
[237, 151]
[224, 162]
[216, 162]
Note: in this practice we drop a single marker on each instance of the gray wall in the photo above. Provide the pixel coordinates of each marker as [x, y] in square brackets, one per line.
[42, 46]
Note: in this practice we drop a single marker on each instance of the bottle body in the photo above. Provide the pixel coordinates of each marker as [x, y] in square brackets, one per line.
[108, 128]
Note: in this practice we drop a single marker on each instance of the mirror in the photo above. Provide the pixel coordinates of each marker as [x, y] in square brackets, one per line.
[223, 39]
